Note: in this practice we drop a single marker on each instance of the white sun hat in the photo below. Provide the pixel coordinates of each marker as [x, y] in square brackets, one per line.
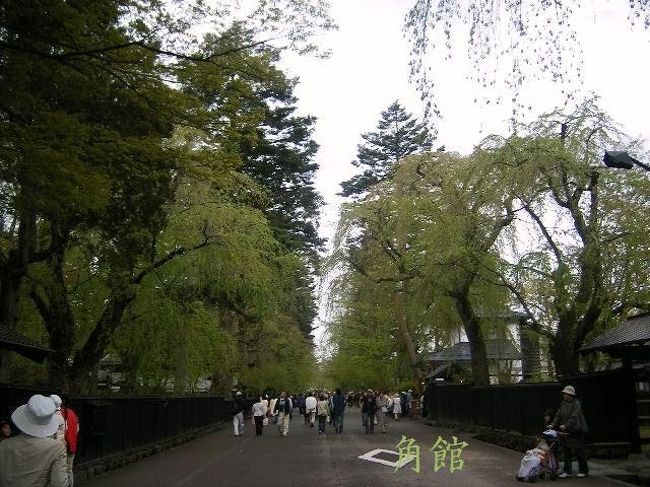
[569, 390]
[57, 401]
[36, 418]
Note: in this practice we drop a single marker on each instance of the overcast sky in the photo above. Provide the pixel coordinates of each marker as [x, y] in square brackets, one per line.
[368, 70]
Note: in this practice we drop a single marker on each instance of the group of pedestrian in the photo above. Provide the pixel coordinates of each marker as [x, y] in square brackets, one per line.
[393, 404]
[321, 408]
[327, 407]
[377, 409]
[264, 410]
[43, 453]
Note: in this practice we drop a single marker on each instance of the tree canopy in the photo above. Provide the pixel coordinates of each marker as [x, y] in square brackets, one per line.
[532, 226]
[127, 207]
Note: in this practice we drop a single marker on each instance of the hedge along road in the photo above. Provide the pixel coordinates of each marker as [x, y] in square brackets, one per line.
[306, 458]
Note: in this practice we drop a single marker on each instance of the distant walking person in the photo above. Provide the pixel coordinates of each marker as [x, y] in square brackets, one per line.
[397, 406]
[283, 406]
[409, 401]
[338, 410]
[34, 458]
[405, 404]
[369, 411]
[382, 411]
[259, 415]
[571, 420]
[69, 433]
[323, 411]
[238, 407]
[310, 408]
[300, 404]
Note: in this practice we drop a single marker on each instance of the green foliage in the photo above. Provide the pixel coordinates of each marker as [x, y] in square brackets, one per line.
[270, 143]
[425, 236]
[226, 310]
[584, 269]
[123, 197]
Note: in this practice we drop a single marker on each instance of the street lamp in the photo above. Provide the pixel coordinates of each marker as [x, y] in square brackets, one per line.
[622, 160]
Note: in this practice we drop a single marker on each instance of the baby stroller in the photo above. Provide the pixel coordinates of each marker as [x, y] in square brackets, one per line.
[541, 460]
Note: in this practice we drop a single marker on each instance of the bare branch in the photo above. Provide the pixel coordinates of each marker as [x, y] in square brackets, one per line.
[556, 250]
[137, 279]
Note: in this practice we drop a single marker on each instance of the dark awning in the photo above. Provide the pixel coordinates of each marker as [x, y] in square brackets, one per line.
[14, 341]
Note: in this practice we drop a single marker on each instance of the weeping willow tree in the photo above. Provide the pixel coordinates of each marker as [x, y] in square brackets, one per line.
[583, 264]
[225, 310]
[368, 347]
[533, 223]
[424, 237]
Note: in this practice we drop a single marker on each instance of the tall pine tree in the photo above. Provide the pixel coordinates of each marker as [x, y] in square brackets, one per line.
[281, 160]
[398, 135]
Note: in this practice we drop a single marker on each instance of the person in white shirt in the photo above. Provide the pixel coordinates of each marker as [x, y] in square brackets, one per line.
[266, 402]
[323, 410]
[259, 414]
[397, 406]
[310, 408]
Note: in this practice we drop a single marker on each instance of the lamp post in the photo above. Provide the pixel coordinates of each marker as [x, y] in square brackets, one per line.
[622, 160]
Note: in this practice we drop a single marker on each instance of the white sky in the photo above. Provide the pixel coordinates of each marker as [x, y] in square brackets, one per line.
[368, 70]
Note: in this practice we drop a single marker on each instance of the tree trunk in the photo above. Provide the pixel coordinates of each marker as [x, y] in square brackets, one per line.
[13, 270]
[472, 326]
[9, 298]
[565, 356]
[82, 376]
[408, 339]
[55, 310]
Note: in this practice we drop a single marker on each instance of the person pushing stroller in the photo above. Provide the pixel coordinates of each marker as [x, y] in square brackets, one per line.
[571, 424]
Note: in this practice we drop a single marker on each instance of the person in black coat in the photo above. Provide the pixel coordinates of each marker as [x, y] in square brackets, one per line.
[238, 406]
[338, 410]
[369, 411]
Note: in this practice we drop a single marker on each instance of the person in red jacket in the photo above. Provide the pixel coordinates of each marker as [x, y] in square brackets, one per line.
[70, 433]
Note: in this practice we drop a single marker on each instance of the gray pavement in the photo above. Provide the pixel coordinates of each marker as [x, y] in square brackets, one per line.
[305, 458]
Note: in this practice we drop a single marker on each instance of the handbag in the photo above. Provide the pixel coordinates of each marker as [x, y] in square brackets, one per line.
[265, 421]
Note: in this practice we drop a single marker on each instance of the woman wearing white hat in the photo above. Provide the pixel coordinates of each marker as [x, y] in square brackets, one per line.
[33, 458]
[571, 420]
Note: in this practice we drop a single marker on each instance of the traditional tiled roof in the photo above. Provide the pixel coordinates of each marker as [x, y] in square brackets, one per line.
[12, 340]
[496, 350]
[633, 331]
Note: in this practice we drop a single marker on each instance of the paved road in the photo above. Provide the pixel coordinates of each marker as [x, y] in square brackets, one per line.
[305, 458]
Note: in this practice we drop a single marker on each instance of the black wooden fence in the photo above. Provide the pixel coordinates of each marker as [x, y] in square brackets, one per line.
[113, 424]
[607, 399]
